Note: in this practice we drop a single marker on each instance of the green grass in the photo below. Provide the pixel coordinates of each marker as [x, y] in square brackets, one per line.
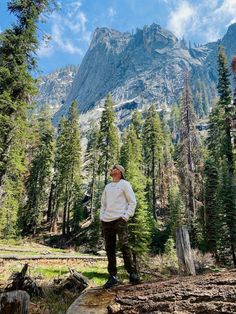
[16, 242]
[54, 303]
[28, 253]
[49, 272]
[96, 274]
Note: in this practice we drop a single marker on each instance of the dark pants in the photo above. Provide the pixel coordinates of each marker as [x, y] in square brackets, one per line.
[110, 230]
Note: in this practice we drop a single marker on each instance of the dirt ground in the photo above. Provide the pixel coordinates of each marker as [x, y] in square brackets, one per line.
[210, 293]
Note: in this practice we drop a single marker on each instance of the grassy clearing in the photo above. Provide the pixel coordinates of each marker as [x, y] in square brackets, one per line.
[13, 253]
[11, 242]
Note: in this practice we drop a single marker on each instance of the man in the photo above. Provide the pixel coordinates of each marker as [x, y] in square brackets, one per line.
[117, 206]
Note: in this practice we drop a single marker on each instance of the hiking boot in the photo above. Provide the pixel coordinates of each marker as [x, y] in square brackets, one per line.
[112, 281]
[134, 278]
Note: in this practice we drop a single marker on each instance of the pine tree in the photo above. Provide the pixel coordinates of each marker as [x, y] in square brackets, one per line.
[229, 111]
[17, 48]
[167, 168]
[13, 183]
[188, 152]
[108, 142]
[174, 122]
[175, 211]
[221, 150]
[58, 182]
[233, 66]
[211, 207]
[67, 177]
[153, 152]
[137, 123]
[140, 225]
[91, 165]
[40, 176]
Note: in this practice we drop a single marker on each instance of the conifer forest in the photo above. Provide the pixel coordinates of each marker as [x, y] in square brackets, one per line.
[181, 176]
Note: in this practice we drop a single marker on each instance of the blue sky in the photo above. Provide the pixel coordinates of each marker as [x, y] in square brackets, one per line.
[71, 26]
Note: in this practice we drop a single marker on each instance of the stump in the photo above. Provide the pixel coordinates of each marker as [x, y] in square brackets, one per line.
[14, 302]
[22, 282]
[183, 248]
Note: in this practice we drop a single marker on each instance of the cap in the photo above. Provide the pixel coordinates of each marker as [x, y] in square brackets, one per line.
[121, 168]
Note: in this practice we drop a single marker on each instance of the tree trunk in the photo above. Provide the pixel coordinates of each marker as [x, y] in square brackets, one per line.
[186, 265]
[14, 302]
[65, 212]
[93, 193]
[153, 187]
[50, 203]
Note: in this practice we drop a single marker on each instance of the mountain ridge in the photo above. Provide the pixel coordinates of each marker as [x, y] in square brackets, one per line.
[144, 68]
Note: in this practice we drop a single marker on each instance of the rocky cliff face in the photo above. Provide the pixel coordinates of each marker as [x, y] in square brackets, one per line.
[54, 88]
[142, 68]
[145, 67]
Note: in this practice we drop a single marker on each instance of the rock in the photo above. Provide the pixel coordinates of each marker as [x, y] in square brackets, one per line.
[101, 253]
[53, 88]
[138, 69]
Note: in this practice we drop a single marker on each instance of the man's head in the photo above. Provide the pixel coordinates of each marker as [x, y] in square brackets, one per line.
[117, 172]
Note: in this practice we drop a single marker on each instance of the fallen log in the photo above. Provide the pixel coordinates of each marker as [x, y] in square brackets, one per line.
[76, 282]
[14, 302]
[47, 257]
[12, 249]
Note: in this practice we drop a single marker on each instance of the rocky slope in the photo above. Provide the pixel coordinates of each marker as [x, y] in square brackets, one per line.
[138, 70]
[54, 88]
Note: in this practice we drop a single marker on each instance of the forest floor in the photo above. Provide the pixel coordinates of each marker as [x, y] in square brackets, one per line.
[212, 292]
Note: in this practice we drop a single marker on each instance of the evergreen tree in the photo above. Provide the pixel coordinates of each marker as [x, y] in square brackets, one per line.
[233, 65]
[211, 207]
[67, 177]
[221, 150]
[40, 176]
[108, 142]
[175, 211]
[174, 122]
[13, 183]
[140, 225]
[137, 123]
[153, 152]
[17, 48]
[188, 152]
[58, 182]
[167, 168]
[229, 111]
[91, 165]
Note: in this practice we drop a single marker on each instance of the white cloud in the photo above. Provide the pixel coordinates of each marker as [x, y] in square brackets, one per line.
[180, 18]
[45, 50]
[207, 17]
[64, 44]
[111, 12]
[67, 29]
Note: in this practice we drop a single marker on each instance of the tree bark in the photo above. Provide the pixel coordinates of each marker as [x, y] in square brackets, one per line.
[186, 264]
[14, 302]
